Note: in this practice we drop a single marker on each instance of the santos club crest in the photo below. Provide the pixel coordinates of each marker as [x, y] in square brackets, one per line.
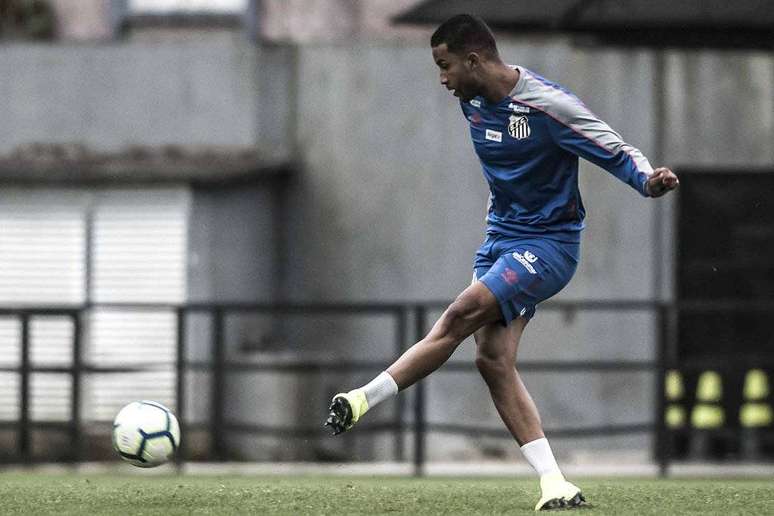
[518, 127]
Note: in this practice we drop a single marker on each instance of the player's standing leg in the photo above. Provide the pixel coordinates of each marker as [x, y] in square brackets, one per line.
[496, 349]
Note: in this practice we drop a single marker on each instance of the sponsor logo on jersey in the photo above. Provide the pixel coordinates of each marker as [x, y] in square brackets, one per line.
[475, 103]
[475, 118]
[531, 258]
[495, 136]
[518, 127]
[527, 265]
[518, 108]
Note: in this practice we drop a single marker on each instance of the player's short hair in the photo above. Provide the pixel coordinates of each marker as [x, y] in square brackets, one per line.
[465, 33]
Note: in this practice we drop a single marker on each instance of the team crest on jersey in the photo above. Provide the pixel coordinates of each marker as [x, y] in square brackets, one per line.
[518, 127]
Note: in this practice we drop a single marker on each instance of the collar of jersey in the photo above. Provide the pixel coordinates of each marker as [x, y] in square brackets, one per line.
[516, 88]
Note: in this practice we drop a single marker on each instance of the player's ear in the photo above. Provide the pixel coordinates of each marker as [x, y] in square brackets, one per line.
[473, 60]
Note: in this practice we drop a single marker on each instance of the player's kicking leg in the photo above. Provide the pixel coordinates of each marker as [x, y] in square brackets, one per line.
[496, 348]
[472, 309]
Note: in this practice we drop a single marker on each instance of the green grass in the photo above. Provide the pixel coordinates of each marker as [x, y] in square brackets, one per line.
[39, 494]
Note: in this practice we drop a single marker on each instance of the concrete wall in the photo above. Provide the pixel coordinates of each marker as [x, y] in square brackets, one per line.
[110, 97]
[720, 108]
[232, 232]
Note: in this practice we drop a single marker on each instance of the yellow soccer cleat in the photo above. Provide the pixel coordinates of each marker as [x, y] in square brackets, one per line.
[557, 493]
[346, 409]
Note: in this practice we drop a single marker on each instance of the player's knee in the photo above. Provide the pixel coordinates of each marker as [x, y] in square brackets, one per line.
[469, 312]
[461, 317]
[492, 364]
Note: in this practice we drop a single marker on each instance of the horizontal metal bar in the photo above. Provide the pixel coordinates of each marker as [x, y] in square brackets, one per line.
[42, 311]
[291, 431]
[606, 430]
[731, 364]
[614, 305]
[46, 425]
[302, 308]
[139, 368]
[722, 432]
[294, 367]
[725, 306]
[562, 365]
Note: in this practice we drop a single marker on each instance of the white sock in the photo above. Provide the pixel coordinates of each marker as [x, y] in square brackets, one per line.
[379, 389]
[538, 453]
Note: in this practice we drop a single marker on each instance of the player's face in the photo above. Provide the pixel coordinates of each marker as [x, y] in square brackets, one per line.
[456, 72]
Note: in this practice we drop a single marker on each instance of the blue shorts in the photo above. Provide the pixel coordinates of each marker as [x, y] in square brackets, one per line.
[522, 272]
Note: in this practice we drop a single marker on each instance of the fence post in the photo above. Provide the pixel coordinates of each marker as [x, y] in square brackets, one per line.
[76, 441]
[419, 402]
[180, 366]
[401, 336]
[661, 438]
[218, 386]
[24, 390]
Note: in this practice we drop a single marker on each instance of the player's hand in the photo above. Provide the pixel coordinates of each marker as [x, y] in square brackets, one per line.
[662, 181]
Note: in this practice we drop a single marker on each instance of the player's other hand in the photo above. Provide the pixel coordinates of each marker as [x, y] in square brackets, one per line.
[662, 181]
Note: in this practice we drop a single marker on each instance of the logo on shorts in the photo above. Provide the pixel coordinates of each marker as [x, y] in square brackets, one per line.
[523, 311]
[526, 262]
[518, 127]
[510, 276]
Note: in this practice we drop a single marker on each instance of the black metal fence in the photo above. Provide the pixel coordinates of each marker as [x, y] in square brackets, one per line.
[402, 315]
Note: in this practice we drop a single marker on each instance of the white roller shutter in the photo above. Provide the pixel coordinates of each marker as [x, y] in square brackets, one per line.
[139, 246]
[42, 247]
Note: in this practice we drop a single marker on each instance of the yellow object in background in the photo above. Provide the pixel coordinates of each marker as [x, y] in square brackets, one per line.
[673, 385]
[755, 411]
[756, 385]
[707, 414]
[674, 416]
[709, 388]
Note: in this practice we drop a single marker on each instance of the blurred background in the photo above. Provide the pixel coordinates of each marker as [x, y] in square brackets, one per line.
[241, 207]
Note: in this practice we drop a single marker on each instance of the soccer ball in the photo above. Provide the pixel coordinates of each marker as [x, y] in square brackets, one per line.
[146, 434]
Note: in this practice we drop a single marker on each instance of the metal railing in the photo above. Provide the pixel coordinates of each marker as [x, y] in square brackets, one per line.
[666, 318]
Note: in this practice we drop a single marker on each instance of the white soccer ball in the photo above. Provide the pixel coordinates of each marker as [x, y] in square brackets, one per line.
[146, 434]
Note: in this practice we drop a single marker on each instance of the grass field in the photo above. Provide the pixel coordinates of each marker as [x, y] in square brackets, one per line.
[37, 494]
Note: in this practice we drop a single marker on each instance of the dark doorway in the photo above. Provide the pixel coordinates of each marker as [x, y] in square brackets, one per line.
[726, 253]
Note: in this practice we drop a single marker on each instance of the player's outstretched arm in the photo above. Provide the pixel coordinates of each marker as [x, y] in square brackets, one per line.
[660, 182]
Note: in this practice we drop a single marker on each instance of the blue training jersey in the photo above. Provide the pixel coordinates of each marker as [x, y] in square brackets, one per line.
[529, 144]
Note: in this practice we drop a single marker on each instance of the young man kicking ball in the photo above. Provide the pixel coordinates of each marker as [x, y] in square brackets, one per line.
[528, 133]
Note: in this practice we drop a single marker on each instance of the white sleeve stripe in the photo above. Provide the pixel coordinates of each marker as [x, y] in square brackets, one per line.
[604, 136]
[647, 170]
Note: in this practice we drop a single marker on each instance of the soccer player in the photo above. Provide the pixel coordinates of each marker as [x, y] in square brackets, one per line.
[528, 133]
